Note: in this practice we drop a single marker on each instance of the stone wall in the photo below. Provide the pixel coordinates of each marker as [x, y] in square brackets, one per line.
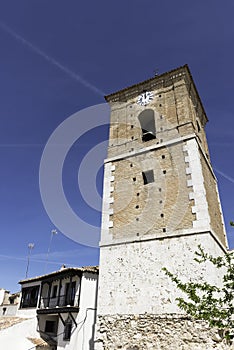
[131, 280]
[182, 196]
[213, 202]
[160, 206]
[148, 225]
[153, 332]
[175, 116]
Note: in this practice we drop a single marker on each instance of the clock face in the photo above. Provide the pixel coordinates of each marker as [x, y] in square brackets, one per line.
[145, 98]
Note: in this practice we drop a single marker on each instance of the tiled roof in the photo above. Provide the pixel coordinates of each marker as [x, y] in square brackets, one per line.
[38, 342]
[7, 321]
[62, 272]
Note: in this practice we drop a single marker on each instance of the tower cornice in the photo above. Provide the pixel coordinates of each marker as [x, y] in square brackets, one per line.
[158, 82]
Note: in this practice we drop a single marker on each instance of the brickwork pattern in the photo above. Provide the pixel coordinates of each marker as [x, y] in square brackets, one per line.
[214, 205]
[175, 116]
[140, 209]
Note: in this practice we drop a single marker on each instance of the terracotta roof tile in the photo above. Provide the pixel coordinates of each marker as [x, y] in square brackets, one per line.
[7, 321]
[38, 341]
[92, 269]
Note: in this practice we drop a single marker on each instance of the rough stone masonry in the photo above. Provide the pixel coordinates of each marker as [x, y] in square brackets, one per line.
[151, 332]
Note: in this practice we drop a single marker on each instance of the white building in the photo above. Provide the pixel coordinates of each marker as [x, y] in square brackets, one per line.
[60, 309]
[8, 302]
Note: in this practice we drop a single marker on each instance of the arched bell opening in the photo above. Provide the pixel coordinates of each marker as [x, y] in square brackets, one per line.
[147, 122]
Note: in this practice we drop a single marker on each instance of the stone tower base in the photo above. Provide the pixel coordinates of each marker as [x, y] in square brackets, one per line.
[154, 332]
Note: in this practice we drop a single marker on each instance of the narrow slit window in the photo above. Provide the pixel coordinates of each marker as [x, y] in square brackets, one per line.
[148, 177]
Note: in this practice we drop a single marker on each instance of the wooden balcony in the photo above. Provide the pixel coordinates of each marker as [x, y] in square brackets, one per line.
[58, 304]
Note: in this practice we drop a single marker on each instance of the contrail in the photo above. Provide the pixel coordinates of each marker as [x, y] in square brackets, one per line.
[66, 70]
[9, 257]
[231, 179]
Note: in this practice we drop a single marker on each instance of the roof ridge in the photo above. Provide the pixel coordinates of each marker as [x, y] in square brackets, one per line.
[62, 271]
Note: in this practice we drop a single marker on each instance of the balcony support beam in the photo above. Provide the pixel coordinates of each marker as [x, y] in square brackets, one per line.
[60, 316]
[73, 319]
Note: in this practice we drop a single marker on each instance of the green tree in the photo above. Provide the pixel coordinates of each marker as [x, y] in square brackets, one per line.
[209, 302]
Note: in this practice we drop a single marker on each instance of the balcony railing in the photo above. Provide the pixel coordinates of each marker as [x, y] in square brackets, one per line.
[58, 301]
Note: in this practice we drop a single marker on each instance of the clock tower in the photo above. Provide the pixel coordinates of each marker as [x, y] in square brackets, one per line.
[160, 201]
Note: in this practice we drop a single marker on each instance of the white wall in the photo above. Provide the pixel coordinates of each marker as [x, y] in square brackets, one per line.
[83, 333]
[28, 312]
[2, 293]
[131, 280]
[11, 310]
[15, 337]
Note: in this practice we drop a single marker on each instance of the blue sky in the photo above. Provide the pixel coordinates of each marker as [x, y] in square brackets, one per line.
[58, 57]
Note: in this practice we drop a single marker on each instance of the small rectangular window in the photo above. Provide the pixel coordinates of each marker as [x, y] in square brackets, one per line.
[50, 326]
[148, 177]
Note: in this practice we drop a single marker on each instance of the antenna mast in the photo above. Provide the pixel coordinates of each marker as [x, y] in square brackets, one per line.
[53, 232]
[30, 248]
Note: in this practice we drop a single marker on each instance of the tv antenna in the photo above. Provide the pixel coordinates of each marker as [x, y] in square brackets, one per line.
[30, 248]
[53, 233]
